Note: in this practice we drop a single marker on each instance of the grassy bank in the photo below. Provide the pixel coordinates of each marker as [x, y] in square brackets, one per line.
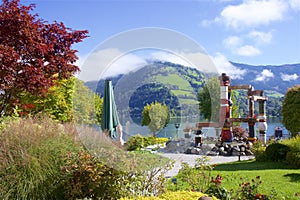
[277, 179]
[43, 159]
[32, 153]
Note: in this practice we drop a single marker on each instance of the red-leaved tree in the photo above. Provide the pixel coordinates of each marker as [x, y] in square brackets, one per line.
[33, 53]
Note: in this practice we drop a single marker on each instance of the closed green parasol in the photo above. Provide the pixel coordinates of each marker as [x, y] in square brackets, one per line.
[110, 119]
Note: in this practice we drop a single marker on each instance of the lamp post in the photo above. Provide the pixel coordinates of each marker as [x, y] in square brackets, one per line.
[174, 181]
[177, 126]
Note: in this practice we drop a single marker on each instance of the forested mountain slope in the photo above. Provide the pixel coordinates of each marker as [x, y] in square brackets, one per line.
[177, 86]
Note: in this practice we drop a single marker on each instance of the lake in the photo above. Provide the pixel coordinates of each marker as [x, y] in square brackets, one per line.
[170, 131]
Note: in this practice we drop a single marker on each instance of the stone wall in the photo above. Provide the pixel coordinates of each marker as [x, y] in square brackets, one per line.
[184, 145]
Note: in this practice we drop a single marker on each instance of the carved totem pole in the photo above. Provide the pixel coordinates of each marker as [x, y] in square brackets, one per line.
[225, 112]
[226, 120]
[262, 118]
[251, 115]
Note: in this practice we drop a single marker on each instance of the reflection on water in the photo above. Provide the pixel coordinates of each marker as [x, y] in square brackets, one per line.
[170, 131]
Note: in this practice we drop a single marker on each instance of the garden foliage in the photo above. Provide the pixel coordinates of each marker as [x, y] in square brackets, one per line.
[155, 116]
[85, 177]
[178, 195]
[34, 53]
[42, 159]
[276, 152]
[31, 153]
[138, 141]
[291, 110]
[293, 156]
[283, 151]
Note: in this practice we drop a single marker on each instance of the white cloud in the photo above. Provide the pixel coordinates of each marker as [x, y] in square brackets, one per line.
[108, 62]
[165, 56]
[224, 66]
[261, 37]
[236, 45]
[248, 50]
[199, 60]
[289, 77]
[127, 63]
[232, 42]
[295, 4]
[265, 75]
[111, 62]
[252, 13]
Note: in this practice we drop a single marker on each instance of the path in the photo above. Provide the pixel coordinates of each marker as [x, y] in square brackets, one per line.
[191, 160]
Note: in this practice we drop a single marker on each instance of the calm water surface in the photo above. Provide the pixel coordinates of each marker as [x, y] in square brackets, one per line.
[170, 131]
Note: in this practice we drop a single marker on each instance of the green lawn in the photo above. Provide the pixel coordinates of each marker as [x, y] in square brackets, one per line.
[146, 160]
[189, 102]
[182, 93]
[274, 176]
[275, 94]
[175, 79]
[277, 177]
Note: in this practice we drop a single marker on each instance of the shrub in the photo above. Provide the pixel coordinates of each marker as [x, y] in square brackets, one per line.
[86, 177]
[40, 159]
[137, 142]
[293, 156]
[277, 152]
[249, 190]
[259, 151]
[31, 155]
[178, 195]
[238, 131]
[161, 140]
[150, 140]
[197, 178]
[141, 172]
[217, 190]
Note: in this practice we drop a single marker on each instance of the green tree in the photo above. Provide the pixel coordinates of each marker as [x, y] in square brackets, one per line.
[235, 108]
[67, 100]
[34, 53]
[291, 110]
[274, 106]
[87, 105]
[155, 116]
[209, 99]
[57, 102]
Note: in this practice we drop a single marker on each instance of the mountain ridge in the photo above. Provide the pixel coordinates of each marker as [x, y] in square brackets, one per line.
[179, 85]
[273, 78]
[269, 77]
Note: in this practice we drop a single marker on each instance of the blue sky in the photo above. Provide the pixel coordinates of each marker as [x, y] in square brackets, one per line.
[252, 32]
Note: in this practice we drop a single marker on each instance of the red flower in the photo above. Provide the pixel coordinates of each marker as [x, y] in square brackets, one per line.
[258, 196]
[28, 106]
[217, 180]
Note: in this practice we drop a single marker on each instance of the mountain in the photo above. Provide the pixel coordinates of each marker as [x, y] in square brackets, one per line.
[177, 86]
[164, 82]
[271, 78]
